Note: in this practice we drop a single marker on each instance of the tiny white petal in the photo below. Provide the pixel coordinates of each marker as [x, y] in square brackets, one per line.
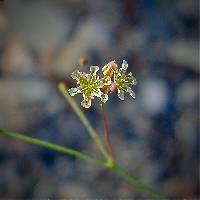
[104, 98]
[121, 94]
[130, 91]
[134, 82]
[94, 69]
[86, 103]
[124, 65]
[97, 93]
[73, 91]
[75, 74]
[104, 68]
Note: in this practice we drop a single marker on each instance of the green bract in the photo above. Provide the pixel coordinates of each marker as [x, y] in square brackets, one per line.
[90, 86]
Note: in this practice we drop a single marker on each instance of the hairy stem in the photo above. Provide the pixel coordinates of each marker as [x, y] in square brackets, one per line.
[62, 88]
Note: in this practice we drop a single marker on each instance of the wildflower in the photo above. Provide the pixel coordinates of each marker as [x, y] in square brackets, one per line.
[119, 78]
[90, 85]
[123, 81]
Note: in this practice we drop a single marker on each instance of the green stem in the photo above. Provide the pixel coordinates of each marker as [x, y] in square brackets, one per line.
[136, 182]
[62, 88]
[114, 167]
[52, 146]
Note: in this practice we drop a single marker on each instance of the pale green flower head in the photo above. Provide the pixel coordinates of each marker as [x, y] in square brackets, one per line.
[90, 85]
[124, 81]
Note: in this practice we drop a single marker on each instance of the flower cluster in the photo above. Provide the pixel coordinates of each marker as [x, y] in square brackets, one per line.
[91, 85]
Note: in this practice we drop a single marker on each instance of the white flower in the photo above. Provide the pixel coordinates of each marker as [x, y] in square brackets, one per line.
[90, 85]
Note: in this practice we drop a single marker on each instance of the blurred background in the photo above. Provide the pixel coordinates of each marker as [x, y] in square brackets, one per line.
[155, 136]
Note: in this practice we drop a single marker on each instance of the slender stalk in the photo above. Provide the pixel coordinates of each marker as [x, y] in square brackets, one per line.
[106, 132]
[136, 182]
[52, 146]
[62, 88]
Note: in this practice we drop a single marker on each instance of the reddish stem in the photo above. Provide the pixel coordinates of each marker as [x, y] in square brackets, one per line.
[106, 133]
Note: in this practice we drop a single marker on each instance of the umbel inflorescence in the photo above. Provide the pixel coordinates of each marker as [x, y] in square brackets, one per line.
[91, 85]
